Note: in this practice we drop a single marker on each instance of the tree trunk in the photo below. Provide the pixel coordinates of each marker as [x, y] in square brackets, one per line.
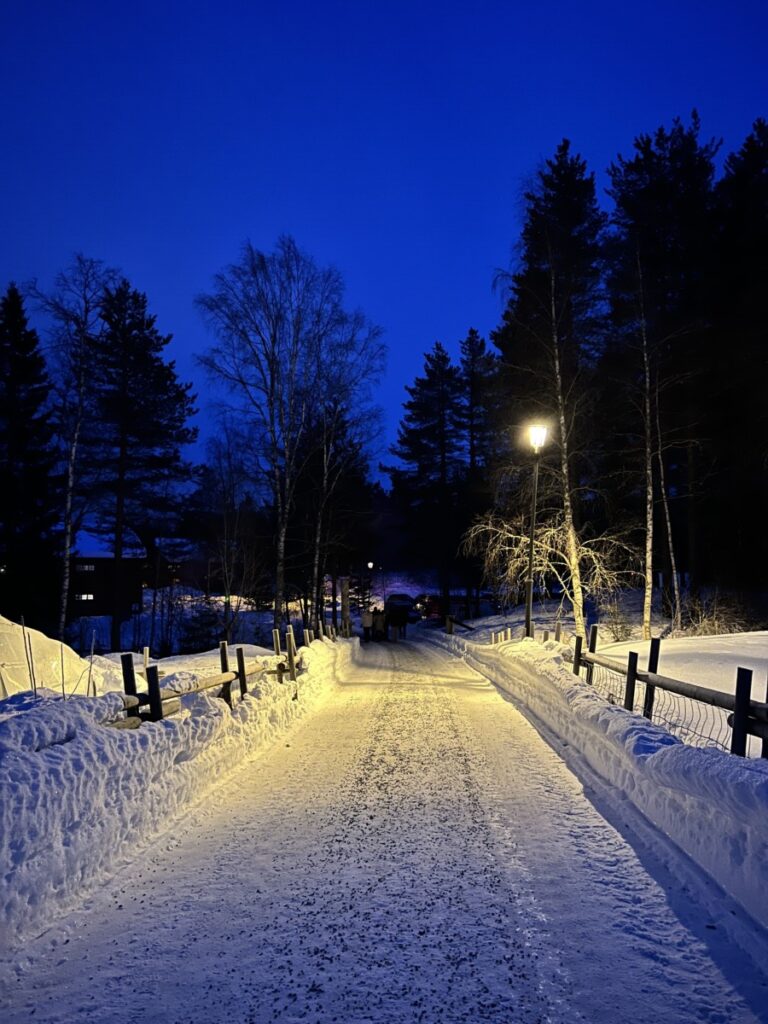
[155, 582]
[67, 553]
[118, 551]
[649, 495]
[316, 543]
[677, 615]
[572, 543]
[282, 530]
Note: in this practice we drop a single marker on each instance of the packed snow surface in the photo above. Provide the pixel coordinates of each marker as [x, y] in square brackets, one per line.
[713, 805]
[412, 850]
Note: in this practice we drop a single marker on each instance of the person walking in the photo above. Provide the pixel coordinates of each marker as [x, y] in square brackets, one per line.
[379, 624]
[367, 622]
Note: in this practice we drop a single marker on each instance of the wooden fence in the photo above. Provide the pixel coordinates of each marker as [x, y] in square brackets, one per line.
[746, 717]
[158, 702]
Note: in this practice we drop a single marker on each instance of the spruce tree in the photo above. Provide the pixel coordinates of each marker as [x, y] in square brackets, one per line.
[551, 331]
[429, 444]
[142, 412]
[478, 369]
[739, 419]
[429, 436]
[665, 220]
[28, 566]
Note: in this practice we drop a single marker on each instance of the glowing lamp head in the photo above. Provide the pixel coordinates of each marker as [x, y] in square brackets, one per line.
[537, 435]
[370, 565]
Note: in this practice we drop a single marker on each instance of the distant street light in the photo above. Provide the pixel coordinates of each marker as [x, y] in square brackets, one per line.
[537, 436]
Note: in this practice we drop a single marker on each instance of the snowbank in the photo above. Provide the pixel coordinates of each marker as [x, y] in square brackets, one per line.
[75, 795]
[714, 806]
[709, 661]
[51, 664]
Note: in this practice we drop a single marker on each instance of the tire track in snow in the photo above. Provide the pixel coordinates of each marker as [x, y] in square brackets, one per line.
[406, 915]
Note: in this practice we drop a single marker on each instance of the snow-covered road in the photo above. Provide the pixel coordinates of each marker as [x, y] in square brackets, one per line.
[413, 851]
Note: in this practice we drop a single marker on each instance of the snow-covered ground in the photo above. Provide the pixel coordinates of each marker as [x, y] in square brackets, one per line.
[713, 805]
[76, 796]
[29, 658]
[709, 661]
[412, 851]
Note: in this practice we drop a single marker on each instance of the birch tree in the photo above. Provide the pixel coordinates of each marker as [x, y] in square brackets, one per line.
[77, 332]
[280, 324]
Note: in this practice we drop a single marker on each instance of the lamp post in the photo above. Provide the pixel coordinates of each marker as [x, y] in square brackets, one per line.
[537, 436]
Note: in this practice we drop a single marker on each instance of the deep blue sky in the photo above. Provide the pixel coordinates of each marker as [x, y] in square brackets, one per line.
[391, 139]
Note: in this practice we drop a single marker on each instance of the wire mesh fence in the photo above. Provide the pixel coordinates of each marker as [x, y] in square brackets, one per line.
[697, 724]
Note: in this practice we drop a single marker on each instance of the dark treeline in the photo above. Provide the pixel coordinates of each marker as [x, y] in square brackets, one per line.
[637, 334]
[633, 328]
[94, 424]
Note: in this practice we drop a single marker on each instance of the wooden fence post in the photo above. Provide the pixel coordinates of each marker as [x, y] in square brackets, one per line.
[558, 631]
[307, 638]
[291, 656]
[241, 673]
[653, 666]
[578, 642]
[346, 626]
[741, 711]
[153, 688]
[545, 637]
[449, 625]
[592, 648]
[629, 692]
[226, 688]
[146, 658]
[276, 642]
[224, 655]
[129, 681]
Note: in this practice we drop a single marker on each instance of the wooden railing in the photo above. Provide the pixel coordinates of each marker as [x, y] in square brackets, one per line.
[747, 717]
[158, 701]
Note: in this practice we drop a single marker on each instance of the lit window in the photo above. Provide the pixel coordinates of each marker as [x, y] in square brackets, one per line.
[86, 567]
[83, 597]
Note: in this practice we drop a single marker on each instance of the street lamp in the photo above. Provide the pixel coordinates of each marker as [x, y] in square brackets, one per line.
[537, 437]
